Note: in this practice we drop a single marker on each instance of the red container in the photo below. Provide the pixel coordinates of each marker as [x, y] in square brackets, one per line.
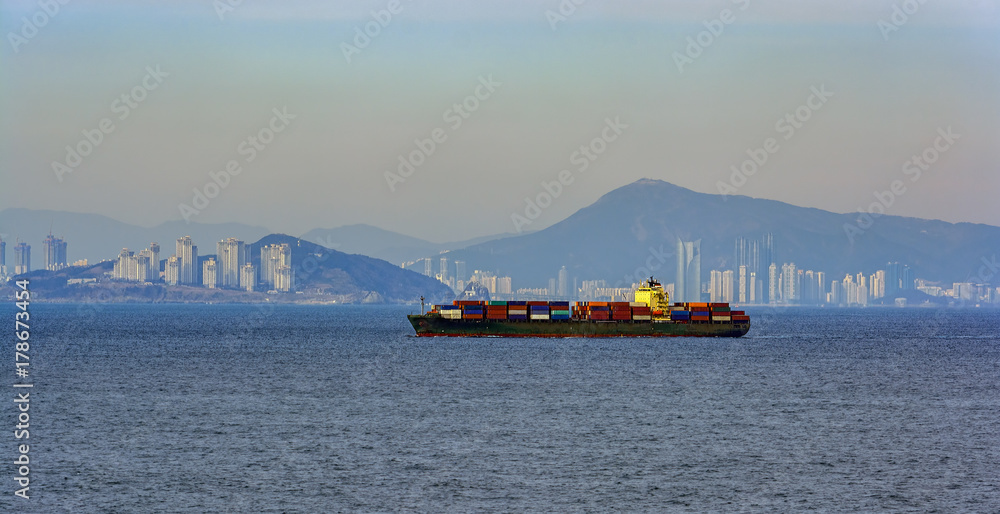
[496, 316]
[741, 318]
[738, 313]
[718, 305]
[699, 318]
[465, 303]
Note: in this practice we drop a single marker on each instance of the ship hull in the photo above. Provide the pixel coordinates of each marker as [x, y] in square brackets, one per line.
[432, 325]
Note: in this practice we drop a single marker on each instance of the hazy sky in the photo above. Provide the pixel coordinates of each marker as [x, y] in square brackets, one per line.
[685, 112]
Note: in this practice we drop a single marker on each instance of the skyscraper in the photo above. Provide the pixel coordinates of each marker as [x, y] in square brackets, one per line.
[22, 258]
[209, 274]
[789, 283]
[460, 271]
[444, 270]
[687, 286]
[428, 265]
[563, 287]
[715, 286]
[3, 255]
[273, 257]
[231, 257]
[154, 261]
[248, 277]
[742, 281]
[727, 286]
[284, 278]
[768, 257]
[773, 286]
[187, 256]
[172, 271]
[54, 250]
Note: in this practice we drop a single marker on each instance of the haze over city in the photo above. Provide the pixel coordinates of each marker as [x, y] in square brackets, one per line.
[495, 100]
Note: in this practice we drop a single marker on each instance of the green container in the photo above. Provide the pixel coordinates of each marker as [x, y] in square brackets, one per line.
[498, 302]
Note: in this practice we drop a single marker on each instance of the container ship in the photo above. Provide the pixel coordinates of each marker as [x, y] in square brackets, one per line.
[649, 315]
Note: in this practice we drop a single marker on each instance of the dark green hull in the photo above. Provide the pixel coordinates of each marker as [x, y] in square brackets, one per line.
[431, 325]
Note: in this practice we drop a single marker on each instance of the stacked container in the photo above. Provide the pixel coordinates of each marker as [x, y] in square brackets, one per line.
[517, 310]
[538, 312]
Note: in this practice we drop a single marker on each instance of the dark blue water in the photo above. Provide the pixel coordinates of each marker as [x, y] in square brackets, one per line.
[322, 409]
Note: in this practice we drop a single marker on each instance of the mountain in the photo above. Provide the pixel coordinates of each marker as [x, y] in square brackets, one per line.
[320, 269]
[384, 244]
[632, 232]
[95, 237]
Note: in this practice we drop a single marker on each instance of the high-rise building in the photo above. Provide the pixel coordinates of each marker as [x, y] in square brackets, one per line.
[154, 260]
[741, 288]
[551, 290]
[248, 277]
[715, 286]
[54, 250]
[231, 257]
[563, 286]
[753, 288]
[768, 256]
[284, 278]
[773, 288]
[687, 286]
[789, 283]
[3, 257]
[428, 265]
[460, 271]
[142, 267]
[22, 258]
[209, 274]
[172, 271]
[273, 257]
[187, 256]
[504, 285]
[906, 282]
[727, 286]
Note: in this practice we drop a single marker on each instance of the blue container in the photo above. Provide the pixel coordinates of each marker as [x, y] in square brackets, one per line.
[559, 304]
[680, 313]
[559, 316]
[518, 316]
[517, 302]
[539, 308]
[600, 308]
[447, 307]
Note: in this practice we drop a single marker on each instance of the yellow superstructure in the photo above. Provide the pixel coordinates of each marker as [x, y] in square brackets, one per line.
[653, 296]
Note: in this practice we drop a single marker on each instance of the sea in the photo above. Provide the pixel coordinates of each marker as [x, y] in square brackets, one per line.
[301, 408]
